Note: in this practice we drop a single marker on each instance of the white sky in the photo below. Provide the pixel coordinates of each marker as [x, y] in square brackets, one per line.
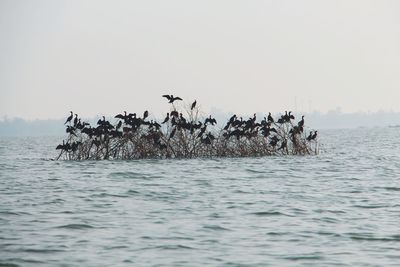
[103, 57]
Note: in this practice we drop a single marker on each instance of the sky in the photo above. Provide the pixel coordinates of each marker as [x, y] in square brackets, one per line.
[104, 57]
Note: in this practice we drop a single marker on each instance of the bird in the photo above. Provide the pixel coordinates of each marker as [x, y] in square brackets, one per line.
[76, 120]
[120, 116]
[166, 119]
[69, 118]
[193, 105]
[270, 119]
[145, 114]
[301, 122]
[210, 120]
[174, 113]
[61, 146]
[171, 98]
[312, 136]
[118, 125]
[291, 117]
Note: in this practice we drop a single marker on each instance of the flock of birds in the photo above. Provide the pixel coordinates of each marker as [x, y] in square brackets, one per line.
[161, 135]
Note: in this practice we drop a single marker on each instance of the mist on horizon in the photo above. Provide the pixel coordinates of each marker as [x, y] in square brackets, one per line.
[104, 57]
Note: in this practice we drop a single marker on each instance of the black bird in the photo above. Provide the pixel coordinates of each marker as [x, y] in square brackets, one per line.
[171, 98]
[301, 122]
[69, 118]
[309, 136]
[120, 116]
[145, 114]
[166, 119]
[270, 119]
[232, 119]
[291, 117]
[210, 120]
[61, 146]
[182, 120]
[118, 125]
[281, 120]
[312, 136]
[76, 120]
[174, 113]
[101, 122]
[193, 105]
[286, 117]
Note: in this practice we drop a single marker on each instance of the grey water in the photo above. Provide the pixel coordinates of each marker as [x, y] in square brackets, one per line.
[339, 208]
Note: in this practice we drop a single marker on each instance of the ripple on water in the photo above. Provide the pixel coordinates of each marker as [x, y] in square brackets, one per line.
[268, 213]
[75, 226]
[216, 227]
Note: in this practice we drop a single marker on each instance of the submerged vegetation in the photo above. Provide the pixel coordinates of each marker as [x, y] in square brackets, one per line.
[185, 134]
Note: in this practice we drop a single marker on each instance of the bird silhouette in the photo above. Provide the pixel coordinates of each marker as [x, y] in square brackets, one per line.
[312, 136]
[166, 119]
[301, 122]
[171, 98]
[76, 120]
[193, 105]
[145, 115]
[174, 113]
[120, 116]
[210, 120]
[69, 118]
[270, 119]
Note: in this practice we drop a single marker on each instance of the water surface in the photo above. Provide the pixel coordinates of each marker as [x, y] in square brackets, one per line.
[340, 208]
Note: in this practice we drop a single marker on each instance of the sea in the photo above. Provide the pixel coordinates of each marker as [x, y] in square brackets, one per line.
[338, 208]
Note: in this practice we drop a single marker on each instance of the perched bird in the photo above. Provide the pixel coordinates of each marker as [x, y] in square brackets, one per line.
[61, 146]
[291, 117]
[145, 114]
[270, 119]
[69, 118]
[193, 105]
[118, 125]
[166, 119]
[301, 122]
[76, 120]
[171, 98]
[312, 136]
[174, 113]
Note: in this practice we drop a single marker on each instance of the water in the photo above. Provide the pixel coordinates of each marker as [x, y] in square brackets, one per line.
[340, 208]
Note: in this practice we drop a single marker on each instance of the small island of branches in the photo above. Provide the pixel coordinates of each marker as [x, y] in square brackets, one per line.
[185, 133]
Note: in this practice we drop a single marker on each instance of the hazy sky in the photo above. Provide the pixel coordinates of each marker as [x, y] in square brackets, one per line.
[103, 57]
